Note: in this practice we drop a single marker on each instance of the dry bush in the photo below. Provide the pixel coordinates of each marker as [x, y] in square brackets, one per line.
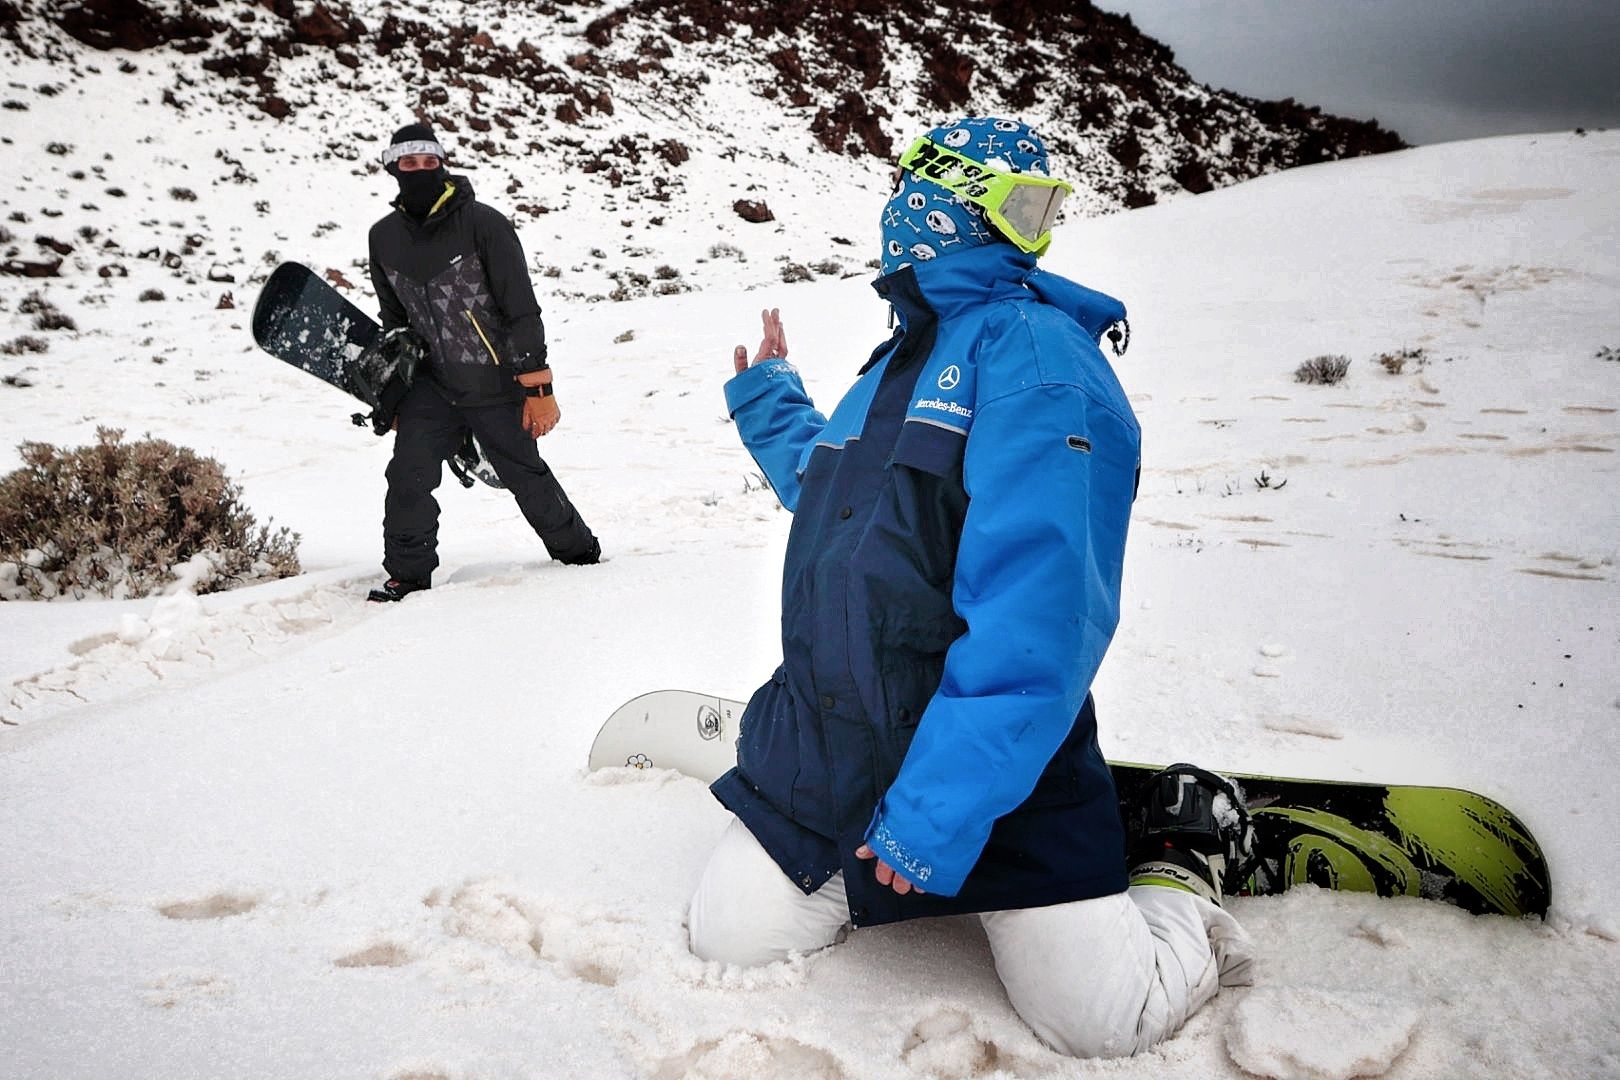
[120, 518]
[28, 343]
[54, 320]
[1325, 370]
[1608, 352]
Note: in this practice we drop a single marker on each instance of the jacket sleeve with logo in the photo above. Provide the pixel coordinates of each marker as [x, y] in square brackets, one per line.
[1050, 468]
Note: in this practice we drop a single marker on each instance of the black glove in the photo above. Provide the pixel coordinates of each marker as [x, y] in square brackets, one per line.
[380, 375]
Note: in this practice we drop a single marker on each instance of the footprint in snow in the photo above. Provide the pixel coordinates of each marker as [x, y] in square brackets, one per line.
[186, 987]
[380, 954]
[1353, 1033]
[221, 905]
[754, 1055]
[944, 1044]
[592, 947]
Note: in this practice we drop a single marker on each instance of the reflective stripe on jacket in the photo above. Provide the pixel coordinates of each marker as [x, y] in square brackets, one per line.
[951, 583]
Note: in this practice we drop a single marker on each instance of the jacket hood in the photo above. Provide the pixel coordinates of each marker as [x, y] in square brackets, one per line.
[1094, 311]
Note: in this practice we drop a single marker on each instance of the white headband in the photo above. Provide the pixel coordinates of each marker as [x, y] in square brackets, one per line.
[416, 146]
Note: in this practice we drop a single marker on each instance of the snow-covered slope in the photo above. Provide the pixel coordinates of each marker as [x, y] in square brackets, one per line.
[193, 146]
[280, 833]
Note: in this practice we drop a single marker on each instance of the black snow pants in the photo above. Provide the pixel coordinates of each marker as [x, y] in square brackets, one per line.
[430, 430]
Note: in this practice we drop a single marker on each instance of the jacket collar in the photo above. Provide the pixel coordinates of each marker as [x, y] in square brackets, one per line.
[941, 288]
[947, 286]
[457, 190]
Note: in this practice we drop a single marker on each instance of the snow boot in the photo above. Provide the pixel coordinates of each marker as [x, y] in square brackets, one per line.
[590, 558]
[395, 589]
[1191, 830]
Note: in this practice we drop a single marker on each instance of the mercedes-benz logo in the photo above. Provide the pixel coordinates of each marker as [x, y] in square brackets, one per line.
[950, 377]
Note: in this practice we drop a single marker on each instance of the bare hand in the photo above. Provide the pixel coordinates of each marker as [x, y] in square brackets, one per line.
[886, 874]
[773, 345]
[540, 415]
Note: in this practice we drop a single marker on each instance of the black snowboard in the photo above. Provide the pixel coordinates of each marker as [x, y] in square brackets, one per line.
[302, 320]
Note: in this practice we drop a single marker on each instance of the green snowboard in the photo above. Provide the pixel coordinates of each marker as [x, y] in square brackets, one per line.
[1432, 842]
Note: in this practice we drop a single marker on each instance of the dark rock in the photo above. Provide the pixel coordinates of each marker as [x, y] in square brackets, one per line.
[756, 212]
[27, 268]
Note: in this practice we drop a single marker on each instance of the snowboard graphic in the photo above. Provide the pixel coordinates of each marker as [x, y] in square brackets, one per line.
[302, 320]
[1432, 842]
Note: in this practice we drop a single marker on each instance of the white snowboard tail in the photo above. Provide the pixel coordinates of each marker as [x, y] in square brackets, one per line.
[694, 734]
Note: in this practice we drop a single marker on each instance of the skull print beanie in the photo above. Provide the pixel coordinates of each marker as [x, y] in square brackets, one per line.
[923, 221]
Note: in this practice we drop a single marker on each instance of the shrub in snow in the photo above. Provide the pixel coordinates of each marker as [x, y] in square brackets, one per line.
[28, 343]
[150, 295]
[54, 320]
[1608, 352]
[124, 519]
[1325, 370]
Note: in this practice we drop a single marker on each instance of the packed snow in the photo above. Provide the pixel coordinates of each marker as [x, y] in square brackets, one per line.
[278, 832]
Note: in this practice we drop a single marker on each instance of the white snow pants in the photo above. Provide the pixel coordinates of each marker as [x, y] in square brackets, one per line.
[1095, 978]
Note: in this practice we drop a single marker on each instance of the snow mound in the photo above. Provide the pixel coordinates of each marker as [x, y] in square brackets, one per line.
[1311, 1033]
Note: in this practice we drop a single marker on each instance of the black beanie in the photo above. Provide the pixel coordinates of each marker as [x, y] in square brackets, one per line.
[411, 139]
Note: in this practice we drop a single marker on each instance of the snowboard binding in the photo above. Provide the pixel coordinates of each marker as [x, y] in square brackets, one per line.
[470, 465]
[1191, 830]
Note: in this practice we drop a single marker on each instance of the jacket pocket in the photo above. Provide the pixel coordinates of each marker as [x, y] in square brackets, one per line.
[479, 330]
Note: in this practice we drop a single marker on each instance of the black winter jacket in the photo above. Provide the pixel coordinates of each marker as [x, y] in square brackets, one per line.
[459, 279]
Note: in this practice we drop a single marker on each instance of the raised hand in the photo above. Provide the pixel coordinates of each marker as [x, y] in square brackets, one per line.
[772, 346]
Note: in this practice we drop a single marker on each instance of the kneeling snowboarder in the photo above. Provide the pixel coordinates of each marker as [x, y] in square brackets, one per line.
[951, 582]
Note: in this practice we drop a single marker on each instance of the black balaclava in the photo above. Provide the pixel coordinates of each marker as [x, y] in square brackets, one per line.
[421, 189]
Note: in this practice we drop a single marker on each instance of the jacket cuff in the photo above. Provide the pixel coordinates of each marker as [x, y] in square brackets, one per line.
[915, 867]
[755, 382]
[525, 363]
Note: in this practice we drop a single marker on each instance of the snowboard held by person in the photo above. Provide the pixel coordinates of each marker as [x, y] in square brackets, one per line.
[951, 582]
[460, 316]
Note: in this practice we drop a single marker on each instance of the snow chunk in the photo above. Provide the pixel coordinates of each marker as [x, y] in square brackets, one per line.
[1309, 1033]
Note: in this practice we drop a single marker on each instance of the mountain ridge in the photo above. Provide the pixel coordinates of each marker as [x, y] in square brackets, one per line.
[638, 111]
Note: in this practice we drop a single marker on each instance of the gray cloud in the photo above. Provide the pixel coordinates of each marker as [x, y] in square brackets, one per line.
[1431, 69]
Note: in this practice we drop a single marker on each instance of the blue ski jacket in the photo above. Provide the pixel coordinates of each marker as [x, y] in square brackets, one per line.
[951, 583]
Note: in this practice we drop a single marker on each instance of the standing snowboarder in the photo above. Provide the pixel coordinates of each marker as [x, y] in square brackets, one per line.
[456, 299]
[952, 578]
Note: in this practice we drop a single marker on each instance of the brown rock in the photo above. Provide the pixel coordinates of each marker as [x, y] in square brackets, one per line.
[756, 212]
[25, 268]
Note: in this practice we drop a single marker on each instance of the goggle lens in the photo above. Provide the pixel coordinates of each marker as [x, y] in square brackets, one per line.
[1031, 211]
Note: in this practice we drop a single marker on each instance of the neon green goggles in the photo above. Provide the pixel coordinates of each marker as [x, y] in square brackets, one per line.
[1023, 207]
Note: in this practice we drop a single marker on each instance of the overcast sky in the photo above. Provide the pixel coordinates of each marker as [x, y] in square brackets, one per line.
[1433, 70]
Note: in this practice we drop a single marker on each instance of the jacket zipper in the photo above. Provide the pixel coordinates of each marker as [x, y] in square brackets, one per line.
[479, 330]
